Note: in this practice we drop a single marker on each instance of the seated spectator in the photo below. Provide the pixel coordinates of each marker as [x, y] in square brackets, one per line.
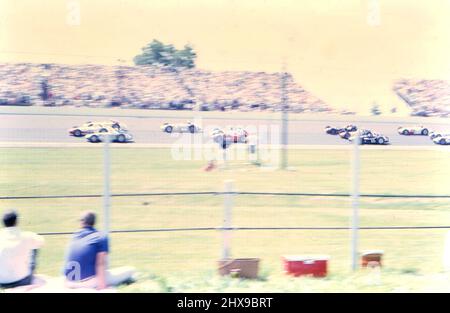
[18, 251]
[86, 264]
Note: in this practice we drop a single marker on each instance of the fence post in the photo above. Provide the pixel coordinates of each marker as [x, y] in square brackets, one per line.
[355, 201]
[227, 213]
[106, 184]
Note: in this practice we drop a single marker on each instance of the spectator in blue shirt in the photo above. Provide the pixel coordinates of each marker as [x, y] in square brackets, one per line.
[86, 260]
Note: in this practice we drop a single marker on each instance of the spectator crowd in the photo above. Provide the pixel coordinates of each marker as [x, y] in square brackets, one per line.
[425, 97]
[155, 87]
[161, 87]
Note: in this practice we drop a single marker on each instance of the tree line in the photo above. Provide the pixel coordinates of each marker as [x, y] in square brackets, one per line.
[158, 53]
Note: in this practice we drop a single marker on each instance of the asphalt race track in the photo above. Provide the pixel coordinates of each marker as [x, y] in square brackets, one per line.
[146, 130]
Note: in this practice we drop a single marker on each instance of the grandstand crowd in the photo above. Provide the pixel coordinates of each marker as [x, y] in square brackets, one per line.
[425, 97]
[160, 87]
[155, 87]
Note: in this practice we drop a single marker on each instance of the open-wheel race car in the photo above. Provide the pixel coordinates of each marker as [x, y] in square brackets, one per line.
[370, 138]
[413, 130]
[230, 134]
[93, 127]
[187, 127]
[237, 134]
[115, 135]
[437, 134]
[349, 135]
[442, 140]
[331, 130]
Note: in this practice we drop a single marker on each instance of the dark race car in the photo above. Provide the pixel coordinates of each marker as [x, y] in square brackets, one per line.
[349, 134]
[373, 139]
[337, 130]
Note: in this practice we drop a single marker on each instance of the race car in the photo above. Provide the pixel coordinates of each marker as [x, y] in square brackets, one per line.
[116, 135]
[371, 138]
[443, 140]
[413, 130]
[92, 127]
[336, 130]
[438, 134]
[231, 134]
[237, 134]
[348, 135]
[219, 137]
[180, 128]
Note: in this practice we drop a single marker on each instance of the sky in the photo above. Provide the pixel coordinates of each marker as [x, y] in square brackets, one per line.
[347, 52]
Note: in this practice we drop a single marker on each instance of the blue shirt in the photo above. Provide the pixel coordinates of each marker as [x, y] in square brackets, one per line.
[82, 253]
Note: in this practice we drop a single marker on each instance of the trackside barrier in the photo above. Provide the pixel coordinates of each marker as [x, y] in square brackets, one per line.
[218, 193]
[191, 229]
[226, 229]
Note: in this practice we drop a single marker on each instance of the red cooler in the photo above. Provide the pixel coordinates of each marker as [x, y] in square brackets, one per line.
[300, 265]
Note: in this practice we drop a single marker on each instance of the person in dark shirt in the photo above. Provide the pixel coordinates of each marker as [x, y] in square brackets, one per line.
[87, 256]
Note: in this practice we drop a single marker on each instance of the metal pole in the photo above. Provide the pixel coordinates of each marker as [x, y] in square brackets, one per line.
[284, 122]
[227, 212]
[355, 202]
[106, 184]
[225, 157]
[258, 160]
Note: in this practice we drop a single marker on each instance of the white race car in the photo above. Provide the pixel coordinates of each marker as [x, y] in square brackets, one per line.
[413, 130]
[443, 140]
[438, 134]
[180, 128]
[238, 134]
[219, 136]
[92, 127]
[116, 135]
[231, 134]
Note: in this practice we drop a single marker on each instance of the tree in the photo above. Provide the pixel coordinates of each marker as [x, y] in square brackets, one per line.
[151, 53]
[160, 54]
[375, 109]
[185, 57]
